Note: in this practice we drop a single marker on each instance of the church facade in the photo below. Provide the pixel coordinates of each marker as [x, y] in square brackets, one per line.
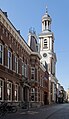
[48, 55]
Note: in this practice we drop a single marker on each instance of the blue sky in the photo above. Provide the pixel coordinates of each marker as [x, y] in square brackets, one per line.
[28, 13]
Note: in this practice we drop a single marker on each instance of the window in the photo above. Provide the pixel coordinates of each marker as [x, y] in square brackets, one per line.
[9, 59]
[45, 25]
[53, 67]
[23, 71]
[16, 64]
[45, 43]
[36, 94]
[40, 80]
[32, 73]
[1, 89]
[1, 54]
[16, 92]
[32, 94]
[9, 91]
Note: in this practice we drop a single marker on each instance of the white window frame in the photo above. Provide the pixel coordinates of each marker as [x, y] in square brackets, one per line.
[9, 89]
[2, 89]
[16, 92]
[2, 51]
[33, 93]
[26, 69]
[45, 43]
[37, 74]
[36, 93]
[10, 59]
[23, 69]
[33, 72]
[16, 64]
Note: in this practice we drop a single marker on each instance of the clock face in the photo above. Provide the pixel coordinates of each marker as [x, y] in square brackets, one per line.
[44, 55]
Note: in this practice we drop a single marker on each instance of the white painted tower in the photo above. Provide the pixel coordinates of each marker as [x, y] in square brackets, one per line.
[48, 56]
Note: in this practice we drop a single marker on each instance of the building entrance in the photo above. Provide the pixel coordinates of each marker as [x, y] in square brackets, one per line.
[45, 98]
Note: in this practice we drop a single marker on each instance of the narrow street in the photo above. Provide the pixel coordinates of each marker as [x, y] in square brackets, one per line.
[59, 111]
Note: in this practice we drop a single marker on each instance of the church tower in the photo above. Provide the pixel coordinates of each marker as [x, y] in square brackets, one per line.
[47, 52]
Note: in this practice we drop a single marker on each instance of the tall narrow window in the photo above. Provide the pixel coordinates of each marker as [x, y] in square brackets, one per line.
[1, 54]
[45, 43]
[53, 67]
[16, 92]
[9, 59]
[32, 94]
[1, 89]
[32, 73]
[26, 70]
[23, 70]
[36, 94]
[45, 25]
[9, 91]
[16, 64]
[40, 80]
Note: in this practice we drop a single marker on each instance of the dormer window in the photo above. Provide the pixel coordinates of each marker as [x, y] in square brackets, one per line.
[45, 43]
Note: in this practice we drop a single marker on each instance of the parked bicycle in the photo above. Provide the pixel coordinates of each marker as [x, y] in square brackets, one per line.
[6, 108]
[25, 105]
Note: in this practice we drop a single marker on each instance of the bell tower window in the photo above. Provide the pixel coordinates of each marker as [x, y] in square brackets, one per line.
[45, 25]
[45, 43]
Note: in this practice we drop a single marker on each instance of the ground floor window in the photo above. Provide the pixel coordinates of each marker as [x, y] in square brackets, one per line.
[9, 91]
[16, 92]
[1, 89]
[36, 94]
[32, 94]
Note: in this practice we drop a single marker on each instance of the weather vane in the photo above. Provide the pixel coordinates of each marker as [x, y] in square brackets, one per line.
[46, 9]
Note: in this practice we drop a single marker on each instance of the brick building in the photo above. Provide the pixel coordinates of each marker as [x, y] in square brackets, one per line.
[22, 76]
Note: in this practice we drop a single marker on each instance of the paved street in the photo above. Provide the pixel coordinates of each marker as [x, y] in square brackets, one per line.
[59, 111]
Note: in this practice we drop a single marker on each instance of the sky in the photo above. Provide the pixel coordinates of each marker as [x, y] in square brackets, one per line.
[25, 14]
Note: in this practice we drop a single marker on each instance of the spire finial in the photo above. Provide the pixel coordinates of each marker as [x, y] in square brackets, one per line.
[46, 9]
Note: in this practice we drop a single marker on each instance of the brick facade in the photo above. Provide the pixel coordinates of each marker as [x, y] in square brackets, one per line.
[22, 77]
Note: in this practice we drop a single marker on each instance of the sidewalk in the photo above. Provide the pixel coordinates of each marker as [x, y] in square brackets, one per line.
[35, 108]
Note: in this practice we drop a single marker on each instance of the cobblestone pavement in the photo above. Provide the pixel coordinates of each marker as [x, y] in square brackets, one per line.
[59, 111]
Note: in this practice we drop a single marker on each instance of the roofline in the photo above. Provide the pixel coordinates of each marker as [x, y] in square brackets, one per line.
[6, 18]
[36, 53]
